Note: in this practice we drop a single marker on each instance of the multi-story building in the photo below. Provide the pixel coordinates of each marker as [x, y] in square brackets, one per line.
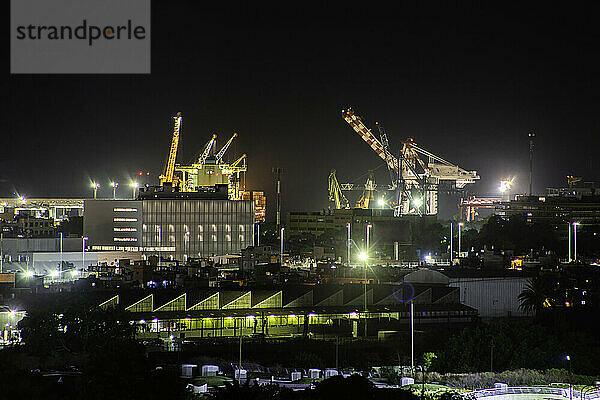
[171, 224]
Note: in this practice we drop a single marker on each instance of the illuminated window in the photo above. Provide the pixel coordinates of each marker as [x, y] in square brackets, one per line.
[125, 239]
[124, 209]
[124, 219]
[125, 229]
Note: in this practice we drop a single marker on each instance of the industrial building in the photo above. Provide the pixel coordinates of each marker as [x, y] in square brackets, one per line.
[555, 210]
[176, 225]
[316, 311]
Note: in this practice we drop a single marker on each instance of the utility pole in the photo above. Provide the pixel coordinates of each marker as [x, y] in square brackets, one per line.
[531, 140]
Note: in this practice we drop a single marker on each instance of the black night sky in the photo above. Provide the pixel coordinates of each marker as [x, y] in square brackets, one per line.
[467, 81]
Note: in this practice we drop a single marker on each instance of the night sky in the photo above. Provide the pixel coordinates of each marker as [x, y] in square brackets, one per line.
[466, 81]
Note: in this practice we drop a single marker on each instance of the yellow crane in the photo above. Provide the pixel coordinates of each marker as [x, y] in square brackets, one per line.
[335, 192]
[167, 177]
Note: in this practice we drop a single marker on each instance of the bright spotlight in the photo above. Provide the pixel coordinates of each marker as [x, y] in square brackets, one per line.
[417, 202]
[381, 202]
[29, 274]
[505, 185]
[363, 256]
[54, 273]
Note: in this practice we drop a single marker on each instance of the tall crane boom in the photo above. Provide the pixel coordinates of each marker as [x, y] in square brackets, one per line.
[170, 168]
[207, 149]
[221, 152]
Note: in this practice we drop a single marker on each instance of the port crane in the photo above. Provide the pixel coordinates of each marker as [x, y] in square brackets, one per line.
[416, 169]
[167, 177]
[335, 192]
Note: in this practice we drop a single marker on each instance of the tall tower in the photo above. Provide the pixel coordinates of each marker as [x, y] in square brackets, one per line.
[277, 172]
[531, 139]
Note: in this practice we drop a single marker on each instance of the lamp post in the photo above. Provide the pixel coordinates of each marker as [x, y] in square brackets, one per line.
[569, 227]
[568, 358]
[187, 245]
[451, 250]
[281, 249]
[575, 225]
[83, 239]
[134, 186]
[460, 224]
[95, 187]
[369, 226]
[114, 186]
[349, 243]
[61, 252]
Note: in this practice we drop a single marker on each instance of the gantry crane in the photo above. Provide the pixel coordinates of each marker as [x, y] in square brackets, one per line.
[335, 192]
[167, 177]
[416, 169]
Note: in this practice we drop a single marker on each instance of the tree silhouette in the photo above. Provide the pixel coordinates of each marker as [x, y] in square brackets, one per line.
[535, 296]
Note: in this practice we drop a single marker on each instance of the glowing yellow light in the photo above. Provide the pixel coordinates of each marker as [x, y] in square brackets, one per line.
[363, 256]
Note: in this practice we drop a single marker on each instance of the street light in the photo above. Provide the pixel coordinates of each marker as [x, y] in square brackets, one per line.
[134, 186]
[568, 358]
[83, 239]
[575, 225]
[187, 245]
[95, 187]
[460, 225]
[114, 186]
[381, 202]
[349, 242]
[281, 250]
[366, 259]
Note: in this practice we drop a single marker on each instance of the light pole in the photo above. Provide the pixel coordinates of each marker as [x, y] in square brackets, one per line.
[569, 225]
[114, 186]
[187, 245]
[568, 358]
[61, 252]
[281, 250]
[460, 224]
[349, 243]
[451, 250]
[95, 187]
[134, 186]
[365, 276]
[575, 225]
[83, 251]
[412, 338]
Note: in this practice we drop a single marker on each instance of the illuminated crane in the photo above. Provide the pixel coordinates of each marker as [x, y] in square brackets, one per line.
[221, 152]
[167, 177]
[207, 148]
[416, 169]
[335, 192]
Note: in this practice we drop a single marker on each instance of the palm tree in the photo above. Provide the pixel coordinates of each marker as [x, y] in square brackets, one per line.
[535, 296]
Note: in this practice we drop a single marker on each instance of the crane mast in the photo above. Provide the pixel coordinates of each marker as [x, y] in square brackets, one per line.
[167, 177]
